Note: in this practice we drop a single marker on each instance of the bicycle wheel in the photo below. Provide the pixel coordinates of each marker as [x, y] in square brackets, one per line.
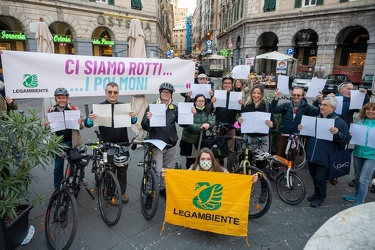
[109, 198]
[295, 193]
[261, 193]
[61, 220]
[149, 194]
[299, 156]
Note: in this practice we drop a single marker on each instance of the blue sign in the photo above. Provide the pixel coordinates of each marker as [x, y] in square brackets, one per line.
[169, 53]
[290, 51]
[209, 46]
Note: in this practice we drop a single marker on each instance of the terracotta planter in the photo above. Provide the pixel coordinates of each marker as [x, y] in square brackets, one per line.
[12, 234]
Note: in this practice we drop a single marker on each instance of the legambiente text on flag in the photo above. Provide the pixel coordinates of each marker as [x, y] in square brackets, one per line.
[208, 201]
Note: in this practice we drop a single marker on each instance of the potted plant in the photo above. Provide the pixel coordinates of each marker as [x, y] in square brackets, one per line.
[24, 144]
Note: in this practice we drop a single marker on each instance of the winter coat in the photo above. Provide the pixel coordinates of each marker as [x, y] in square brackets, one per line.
[263, 107]
[289, 124]
[365, 151]
[191, 133]
[168, 133]
[318, 150]
[225, 115]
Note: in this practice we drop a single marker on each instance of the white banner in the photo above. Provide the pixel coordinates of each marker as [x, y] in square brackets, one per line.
[37, 75]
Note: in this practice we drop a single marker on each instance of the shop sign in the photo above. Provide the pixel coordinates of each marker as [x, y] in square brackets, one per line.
[11, 36]
[103, 42]
[62, 39]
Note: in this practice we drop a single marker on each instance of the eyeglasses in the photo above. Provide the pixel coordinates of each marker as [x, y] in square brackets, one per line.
[324, 105]
[200, 100]
[112, 92]
[166, 92]
[227, 82]
[296, 95]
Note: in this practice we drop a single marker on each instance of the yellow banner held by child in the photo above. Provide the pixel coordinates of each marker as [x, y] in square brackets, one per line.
[208, 201]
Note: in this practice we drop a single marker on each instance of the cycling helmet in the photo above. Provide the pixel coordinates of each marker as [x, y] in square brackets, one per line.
[61, 91]
[260, 156]
[167, 86]
[120, 160]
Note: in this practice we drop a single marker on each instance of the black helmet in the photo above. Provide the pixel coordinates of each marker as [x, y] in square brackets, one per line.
[167, 86]
[61, 91]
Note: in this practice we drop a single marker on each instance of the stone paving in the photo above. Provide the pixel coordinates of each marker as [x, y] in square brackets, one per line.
[283, 227]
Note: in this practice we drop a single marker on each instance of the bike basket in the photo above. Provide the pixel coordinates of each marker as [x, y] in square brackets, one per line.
[219, 146]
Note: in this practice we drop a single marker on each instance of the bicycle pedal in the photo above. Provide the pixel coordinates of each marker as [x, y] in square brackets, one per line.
[140, 164]
[83, 184]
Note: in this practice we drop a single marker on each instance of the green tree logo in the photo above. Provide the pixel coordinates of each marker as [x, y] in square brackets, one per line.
[30, 81]
[209, 197]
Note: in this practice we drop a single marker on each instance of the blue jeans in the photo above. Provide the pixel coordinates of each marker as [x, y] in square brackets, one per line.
[319, 174]
[58, 173]
[363, 169]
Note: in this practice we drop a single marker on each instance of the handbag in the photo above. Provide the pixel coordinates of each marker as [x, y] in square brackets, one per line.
[219, 146]
[339, 163]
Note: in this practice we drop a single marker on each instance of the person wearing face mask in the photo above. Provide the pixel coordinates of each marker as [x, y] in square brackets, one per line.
[203, 121]
[70, 137]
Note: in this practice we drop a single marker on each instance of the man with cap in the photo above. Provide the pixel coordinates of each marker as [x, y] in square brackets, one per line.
[202, 79]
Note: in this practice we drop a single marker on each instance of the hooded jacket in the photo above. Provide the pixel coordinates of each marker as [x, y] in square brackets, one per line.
[365, 151]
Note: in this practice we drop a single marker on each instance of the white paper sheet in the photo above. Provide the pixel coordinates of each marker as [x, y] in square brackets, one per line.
[201, 89]
[185, 116]
[283, 84]
[157, 143]
[103, 114]
[340, 101]
[241, 72]
[255, 122]
[316, 86]
[221, 98]
[56, 120]
[371, 138]
[308, 125]
[322, 128]
[121, 117]
[358, 133]
[356, 99]
[71, 119]
[159, 115]
[234, 97]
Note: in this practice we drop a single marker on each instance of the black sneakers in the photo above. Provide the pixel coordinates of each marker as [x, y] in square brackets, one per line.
[334, 181]
[352, 183]
[311, 198]
[317, 202]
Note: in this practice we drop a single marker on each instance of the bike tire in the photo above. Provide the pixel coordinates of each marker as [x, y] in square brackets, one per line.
[293, 195]
[261, 193]
[109, 198]
[61, 231]
[300, 157]
[149, 194]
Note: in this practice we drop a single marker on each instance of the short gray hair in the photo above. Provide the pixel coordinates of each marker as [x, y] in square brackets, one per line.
[332, 101]
[343, 85]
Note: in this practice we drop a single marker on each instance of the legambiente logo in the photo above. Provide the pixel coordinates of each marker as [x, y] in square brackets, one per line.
[209, 196]
[30, 81]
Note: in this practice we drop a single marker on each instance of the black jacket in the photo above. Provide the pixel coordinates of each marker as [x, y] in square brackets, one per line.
[225, 115]
[263, 107]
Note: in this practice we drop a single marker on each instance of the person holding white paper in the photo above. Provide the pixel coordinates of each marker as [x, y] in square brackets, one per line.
[318, 150]
[239, 86]
[291, 116]
[70, 137]
[114, 135]
[363, 157]
[202, 79]
[226, 117]
[203, 121]
[168, 134]
[344, 90]
[256, 102]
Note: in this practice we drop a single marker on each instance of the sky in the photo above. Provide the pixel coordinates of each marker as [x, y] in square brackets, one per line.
[187, 3]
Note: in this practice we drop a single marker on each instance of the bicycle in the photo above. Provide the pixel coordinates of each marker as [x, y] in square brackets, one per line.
[290, 187]
[62, 215]
[149, 185]
[108, 187]
[261, 192]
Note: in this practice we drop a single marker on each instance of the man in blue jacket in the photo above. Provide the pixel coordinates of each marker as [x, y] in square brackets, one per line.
[318, 150]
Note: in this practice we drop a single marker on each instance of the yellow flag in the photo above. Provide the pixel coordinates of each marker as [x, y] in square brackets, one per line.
[208, 201]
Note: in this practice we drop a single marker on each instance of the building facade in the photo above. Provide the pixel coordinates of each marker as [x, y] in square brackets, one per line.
[94, 28]
[328, 35]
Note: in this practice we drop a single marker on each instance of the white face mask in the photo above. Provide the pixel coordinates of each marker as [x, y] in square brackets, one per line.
[205, 165]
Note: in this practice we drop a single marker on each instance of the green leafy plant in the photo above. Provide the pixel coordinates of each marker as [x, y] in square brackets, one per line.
[24, 144]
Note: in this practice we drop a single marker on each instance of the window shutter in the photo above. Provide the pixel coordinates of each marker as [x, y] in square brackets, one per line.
[92, 0]
[319, 2]
[111, 2]
[343, 1]
[298, 4]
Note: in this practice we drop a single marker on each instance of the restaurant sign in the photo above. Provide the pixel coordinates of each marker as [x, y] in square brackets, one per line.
[103, 42]
[12, 36]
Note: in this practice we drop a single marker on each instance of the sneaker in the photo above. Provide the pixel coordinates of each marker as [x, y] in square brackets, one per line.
[334, 181]
[316, 203]
[349, 197]
[125, 198]
[373, 189]
[311, 197]
[352, 183]
[148, 203]
[356, 204]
